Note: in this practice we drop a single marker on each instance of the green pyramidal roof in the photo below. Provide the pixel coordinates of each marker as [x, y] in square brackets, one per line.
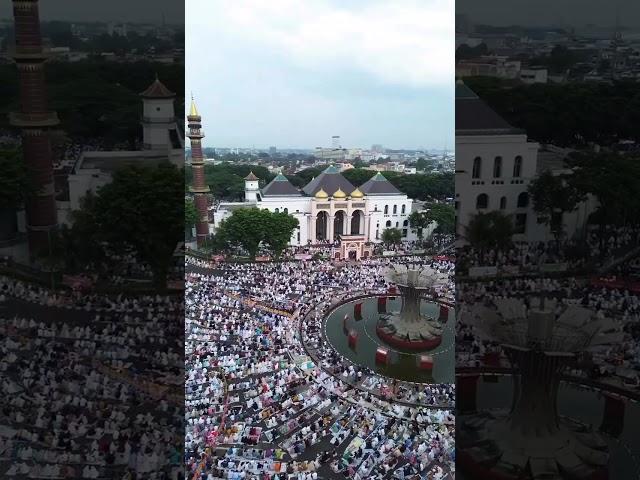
[330, 180]
[280, 187]
[331, 169]
[379, 185]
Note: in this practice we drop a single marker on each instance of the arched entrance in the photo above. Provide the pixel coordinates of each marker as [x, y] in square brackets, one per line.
[338, 224]
[322, 222]
[353, 255]
[357, 222]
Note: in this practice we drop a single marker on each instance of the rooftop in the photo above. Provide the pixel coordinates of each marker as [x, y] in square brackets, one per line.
[157, 90]
[379, 185]
[330, 180]
[475, 117]
[279, 187]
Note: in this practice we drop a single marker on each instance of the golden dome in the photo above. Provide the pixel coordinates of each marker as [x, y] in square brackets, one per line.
[357, 193]
[321, 194]
[339, 194]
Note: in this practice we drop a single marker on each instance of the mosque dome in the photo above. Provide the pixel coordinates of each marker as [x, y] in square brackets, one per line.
[357, 193]
[321, 194]
[339, 194]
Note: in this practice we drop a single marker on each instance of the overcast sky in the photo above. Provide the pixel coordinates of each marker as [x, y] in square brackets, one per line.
[110, 10]
[293, 73]
[545, 12]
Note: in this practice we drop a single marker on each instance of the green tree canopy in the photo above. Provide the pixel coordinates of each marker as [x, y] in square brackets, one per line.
[570, 114]
[553, 196]
[443, 214]
[613, 179]
[140, 209]
[190, 213]
[489, 230]
[391, 236]
[13, 180]
[249, 227]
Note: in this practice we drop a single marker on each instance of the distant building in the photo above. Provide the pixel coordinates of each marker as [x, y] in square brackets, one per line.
[534, 75]
[273, 151]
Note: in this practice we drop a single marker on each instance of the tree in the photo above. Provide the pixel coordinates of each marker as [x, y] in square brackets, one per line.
[418, 222]
[489, 230]
[552, 196]
[444, 215]
[280, 227]
[465, 52]
[13, 181]
[614, 180]
[190, 214]
[14, 186]
[140, 210]
[249, 227]
[391, 236]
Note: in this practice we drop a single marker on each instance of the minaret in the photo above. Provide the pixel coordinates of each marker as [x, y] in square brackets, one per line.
[159, 130]
[200, 187]
[35, 120]
[251, 188]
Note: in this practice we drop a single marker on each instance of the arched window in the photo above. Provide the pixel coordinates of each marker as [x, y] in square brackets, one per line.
[388, 224]
[397, 224]
[405, 223]
[277, 210]
[395, 209]
[477, 167]
[523, 200]
[286, 210]
[497, 167]
[482, 201]
[386, 209]
[503, 203]
[517, 167]
[403, 209]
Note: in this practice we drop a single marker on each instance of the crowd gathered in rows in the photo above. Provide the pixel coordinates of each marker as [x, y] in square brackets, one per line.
[85, 382]
[259, 406]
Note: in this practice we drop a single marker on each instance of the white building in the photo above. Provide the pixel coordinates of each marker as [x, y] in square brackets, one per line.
[534, 75]
[329, 207]
[162, 140]
[496, 163]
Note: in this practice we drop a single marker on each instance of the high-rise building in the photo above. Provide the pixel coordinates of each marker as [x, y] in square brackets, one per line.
[335, 141]
[199, 188]
[35, 120]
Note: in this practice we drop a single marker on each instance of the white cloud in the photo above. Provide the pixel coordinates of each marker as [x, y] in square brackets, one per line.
[398, 42]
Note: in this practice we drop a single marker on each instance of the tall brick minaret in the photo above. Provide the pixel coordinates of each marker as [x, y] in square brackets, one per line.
[200, 187]
[35, 121]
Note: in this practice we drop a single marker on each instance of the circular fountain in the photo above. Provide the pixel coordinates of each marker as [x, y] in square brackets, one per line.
[410, 329]
[532, 440]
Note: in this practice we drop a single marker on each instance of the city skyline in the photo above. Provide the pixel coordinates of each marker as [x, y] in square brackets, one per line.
[576, 13]
[279, 78]
[143, 11]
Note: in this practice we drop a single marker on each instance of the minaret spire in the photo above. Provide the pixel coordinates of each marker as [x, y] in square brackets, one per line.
[35, 120]
[199, 188]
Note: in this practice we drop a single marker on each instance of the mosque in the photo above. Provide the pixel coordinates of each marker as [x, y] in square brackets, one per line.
[328, 209]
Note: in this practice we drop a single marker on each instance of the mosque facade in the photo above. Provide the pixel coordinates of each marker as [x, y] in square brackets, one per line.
[329, 207]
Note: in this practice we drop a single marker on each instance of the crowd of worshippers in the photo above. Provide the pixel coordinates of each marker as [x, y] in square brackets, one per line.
[597, 248]
[256, 407]
[620, 361]
[82, 383]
